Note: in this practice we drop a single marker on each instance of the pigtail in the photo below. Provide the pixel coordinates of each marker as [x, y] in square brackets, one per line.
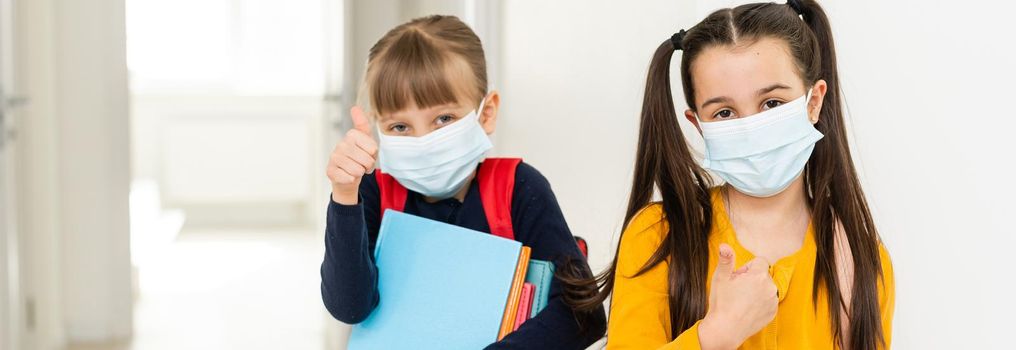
[664, 162]
[837, 199]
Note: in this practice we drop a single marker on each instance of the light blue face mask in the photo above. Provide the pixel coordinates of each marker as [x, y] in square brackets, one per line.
[760, 155]
[436, 164]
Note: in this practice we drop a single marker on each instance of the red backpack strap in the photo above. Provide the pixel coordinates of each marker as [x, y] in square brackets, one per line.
[583, 247]
[496, 179]
[393, 194]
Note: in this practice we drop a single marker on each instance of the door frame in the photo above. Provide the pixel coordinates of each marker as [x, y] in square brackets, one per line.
[10, 287]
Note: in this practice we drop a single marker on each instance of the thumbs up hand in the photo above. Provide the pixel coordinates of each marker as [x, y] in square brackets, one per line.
[742, 301]
[353, 157]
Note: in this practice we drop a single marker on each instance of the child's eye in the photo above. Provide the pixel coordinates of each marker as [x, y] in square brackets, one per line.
[724, 114]
[445, 119]
[398, 128]
[771, 104]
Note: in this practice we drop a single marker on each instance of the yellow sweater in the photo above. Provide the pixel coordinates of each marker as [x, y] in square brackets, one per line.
[640, 312]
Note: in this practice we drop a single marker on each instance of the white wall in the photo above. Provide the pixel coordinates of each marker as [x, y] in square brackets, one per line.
[933, 137]
[573, 74]
[926, 85]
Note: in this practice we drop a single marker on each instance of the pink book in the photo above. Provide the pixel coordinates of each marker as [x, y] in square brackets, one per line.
[525, 304]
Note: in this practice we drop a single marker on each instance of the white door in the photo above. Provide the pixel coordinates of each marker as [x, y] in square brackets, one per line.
[8, 244]
[9, 287]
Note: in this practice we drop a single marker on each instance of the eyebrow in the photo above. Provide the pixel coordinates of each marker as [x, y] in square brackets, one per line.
[716, 100]
[771, 88]
[760, 92]
[439, 108]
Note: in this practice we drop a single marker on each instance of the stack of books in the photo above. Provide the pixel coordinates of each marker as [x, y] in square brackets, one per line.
[446, 287]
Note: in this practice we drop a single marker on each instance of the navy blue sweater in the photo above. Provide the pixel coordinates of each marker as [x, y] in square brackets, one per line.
[349, 275]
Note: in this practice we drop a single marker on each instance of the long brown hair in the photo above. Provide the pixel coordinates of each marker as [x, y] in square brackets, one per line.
[664, 162]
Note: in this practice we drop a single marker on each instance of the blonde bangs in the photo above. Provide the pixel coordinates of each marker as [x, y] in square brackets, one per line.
[414, 72]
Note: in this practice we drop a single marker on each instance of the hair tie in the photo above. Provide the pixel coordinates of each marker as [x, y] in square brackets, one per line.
[796, 5]
[677, 39]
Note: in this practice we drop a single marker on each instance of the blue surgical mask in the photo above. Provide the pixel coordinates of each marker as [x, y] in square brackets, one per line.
[761, 155]
[439, 163]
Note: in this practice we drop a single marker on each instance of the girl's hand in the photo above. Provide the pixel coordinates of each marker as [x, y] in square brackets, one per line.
[353, 157]
[741, 302]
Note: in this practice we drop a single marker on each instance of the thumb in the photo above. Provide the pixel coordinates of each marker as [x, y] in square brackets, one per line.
[727, 259]
[359, 120]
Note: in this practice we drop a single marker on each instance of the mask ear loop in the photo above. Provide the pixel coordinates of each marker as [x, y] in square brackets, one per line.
[479, 110]
[807, 104]
[483, 101]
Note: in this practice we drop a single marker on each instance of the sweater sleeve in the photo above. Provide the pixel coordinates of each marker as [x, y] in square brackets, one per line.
[640, 310]
[539, 223]
[348, 272]
[887, 296]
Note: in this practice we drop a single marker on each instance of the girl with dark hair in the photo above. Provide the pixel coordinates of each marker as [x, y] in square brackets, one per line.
[785, 253]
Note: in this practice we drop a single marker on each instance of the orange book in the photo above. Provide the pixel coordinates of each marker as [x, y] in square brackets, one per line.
[512, 306]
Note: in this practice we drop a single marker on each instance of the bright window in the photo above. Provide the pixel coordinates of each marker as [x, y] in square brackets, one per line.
[241, 47]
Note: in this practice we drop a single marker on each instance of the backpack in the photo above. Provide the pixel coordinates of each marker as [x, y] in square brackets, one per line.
[496, 179]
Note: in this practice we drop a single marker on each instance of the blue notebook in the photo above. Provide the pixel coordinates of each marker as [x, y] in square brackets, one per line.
[540, 274]
[441, 286]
